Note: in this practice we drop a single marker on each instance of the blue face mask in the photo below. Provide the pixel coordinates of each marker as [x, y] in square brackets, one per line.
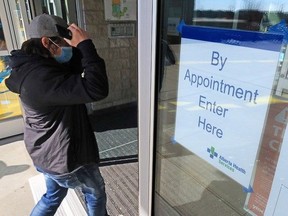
[65, 56]
[66, 53]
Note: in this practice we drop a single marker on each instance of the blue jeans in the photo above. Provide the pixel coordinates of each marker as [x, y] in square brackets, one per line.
[87, 178]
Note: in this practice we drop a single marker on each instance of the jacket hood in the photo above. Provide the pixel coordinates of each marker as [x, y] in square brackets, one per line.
[18, 58]
[21, 65]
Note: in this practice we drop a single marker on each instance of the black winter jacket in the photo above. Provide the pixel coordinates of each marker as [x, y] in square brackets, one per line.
[58, 134]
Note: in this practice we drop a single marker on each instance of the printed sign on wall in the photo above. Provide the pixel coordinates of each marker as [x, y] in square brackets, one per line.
[120, 10]
[224, 86]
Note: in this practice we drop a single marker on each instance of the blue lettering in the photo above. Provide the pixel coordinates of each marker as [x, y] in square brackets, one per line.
[210, 128]
[217, 59]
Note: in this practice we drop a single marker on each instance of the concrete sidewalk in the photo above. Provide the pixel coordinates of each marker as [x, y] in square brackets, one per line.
[15, 169]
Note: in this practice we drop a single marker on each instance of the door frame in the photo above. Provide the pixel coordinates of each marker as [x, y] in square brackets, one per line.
[146, 97]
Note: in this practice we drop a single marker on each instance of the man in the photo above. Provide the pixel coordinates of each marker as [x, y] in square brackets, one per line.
[55, 77]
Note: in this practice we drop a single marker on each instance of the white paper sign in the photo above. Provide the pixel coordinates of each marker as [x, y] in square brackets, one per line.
[225, 82]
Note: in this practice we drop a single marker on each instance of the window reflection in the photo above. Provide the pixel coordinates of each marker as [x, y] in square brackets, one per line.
[241, 14]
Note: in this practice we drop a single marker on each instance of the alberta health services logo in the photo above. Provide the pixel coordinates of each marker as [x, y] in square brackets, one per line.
[230, 165]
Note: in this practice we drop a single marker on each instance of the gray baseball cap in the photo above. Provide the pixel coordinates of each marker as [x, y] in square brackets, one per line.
[45, 25]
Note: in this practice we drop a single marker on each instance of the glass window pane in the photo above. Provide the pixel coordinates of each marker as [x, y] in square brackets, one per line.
[9, 102]
[221, 141]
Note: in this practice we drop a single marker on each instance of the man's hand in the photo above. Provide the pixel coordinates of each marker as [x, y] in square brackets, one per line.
[78, 35]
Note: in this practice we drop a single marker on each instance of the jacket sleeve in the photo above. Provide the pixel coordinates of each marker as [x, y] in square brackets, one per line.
[95, 77]
[57, 85]
[75, 64]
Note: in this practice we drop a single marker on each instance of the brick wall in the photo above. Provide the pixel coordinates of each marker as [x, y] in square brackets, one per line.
[120, 56]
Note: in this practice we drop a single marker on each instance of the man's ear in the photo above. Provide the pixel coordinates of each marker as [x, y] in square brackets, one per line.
[45, 42]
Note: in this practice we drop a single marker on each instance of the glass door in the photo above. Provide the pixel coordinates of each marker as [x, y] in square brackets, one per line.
[12, 34]
[221, 119]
